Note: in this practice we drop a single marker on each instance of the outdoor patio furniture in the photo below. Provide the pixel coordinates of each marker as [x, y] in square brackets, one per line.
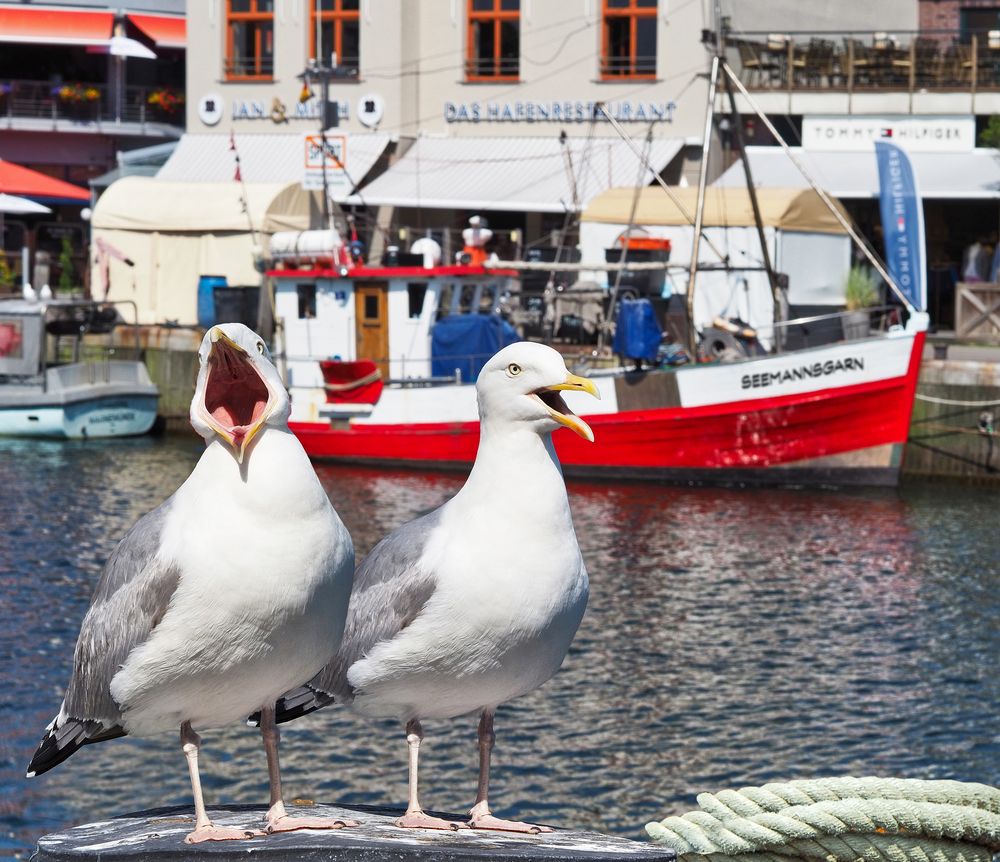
[819, 65]
[859, 62]
[928, 62]
[757, 67]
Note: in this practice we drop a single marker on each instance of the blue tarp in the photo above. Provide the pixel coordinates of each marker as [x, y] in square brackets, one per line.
[637, 333]
[466, 342]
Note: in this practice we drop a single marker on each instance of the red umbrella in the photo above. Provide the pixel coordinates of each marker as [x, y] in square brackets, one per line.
[18, 180]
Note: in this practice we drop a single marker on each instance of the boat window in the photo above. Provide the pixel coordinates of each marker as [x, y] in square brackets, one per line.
[415, 293]
[371, 306]
[466, 298]
[307, 300]
[488, 299]
[446, 293]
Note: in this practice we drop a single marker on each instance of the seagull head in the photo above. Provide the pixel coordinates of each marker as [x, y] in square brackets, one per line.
[239, 391]
[523, 384]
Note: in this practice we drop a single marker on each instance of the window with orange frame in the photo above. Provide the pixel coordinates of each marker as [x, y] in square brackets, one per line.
[628, 39]
[249, 40]
[493, 44]
[335, 28]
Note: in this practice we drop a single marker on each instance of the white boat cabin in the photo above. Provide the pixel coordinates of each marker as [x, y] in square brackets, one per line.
[380, 313]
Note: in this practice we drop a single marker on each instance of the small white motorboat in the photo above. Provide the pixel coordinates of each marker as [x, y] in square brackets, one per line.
[77, 399]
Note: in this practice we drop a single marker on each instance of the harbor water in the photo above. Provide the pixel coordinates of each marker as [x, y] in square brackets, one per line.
[733, 637]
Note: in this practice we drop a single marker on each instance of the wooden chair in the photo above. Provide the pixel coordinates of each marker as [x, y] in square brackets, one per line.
[819, 65]
[755, 66]
[858, 59]
[928, 62]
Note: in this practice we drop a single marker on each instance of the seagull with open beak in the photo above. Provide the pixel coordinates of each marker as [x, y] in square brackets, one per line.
[477, 602]
[232, 591]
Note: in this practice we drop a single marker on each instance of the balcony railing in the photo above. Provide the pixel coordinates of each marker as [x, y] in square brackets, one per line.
[89, 103]
[940, 60]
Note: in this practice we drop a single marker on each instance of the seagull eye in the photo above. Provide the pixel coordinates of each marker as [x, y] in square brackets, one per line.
[513, 369]
[260, 347]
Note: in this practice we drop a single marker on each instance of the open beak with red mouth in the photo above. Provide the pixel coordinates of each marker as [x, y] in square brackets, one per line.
[237, 399]
[552, 401]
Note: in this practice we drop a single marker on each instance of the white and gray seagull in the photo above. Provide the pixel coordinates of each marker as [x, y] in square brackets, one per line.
[224, 597]
[477, 602]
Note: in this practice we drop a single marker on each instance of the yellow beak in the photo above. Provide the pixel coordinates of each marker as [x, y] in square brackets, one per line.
[579, 384]
[574, 383]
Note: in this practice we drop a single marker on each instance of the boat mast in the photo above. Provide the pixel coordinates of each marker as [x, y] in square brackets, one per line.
[699, 213]
[737, 131]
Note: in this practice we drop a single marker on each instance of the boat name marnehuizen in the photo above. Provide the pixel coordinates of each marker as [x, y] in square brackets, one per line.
[817, 369]
[557, 111]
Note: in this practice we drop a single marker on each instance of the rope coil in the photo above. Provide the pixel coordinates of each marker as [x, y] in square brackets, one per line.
[839, 820]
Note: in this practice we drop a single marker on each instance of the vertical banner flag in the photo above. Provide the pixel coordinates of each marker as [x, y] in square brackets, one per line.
[902, 222]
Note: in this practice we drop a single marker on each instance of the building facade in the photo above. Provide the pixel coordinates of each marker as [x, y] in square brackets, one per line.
[458, 67]
[81, 81]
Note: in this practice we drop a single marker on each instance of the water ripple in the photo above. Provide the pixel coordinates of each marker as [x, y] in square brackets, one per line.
[733, 637]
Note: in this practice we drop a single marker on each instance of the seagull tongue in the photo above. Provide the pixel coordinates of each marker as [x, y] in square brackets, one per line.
[235, 395]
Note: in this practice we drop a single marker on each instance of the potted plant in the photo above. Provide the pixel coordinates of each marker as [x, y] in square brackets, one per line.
[78, 101]
[166, 103]
[860, 294]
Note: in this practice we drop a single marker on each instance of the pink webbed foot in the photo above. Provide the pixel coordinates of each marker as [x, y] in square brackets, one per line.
[489, 822]
[219, 833]
[291, 824]
[419, 820]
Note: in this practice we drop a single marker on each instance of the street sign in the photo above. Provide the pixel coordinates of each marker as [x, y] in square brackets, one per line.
[329, 156]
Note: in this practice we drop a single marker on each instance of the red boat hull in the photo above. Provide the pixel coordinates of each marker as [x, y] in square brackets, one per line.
[845, 435]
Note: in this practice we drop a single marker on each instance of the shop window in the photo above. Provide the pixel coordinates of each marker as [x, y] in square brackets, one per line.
[249, 39]
[307, 301]
[628, 39]
[335, 28]
[415, 294]
[493, 49]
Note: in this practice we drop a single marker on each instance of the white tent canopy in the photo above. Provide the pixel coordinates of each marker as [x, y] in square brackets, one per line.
[969, 175]
[177, 232]
[147, 203]
[521, 174]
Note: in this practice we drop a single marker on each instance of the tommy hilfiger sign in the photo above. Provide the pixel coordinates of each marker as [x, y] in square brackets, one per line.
[917, 134]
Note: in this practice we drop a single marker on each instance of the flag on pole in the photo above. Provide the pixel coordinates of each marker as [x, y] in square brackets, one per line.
[902, 222]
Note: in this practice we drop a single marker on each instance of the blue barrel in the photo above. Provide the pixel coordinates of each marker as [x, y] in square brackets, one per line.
[206, 298]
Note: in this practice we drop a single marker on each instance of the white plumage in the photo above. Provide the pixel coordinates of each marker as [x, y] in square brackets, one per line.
[477, 602]
[229, 593]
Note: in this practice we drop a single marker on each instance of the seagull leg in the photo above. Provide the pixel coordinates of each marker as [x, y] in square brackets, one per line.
[480, 816]
[414, 818]
[277, 819]
[204, 829]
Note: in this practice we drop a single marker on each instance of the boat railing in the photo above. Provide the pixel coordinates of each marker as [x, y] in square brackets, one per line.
[816, 329]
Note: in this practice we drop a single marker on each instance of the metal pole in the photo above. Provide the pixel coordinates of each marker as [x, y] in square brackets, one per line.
[831, 205]
[754, 203]
[699, 213]
[324, 108]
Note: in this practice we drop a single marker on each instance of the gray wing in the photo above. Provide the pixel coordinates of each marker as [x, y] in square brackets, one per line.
[131, 598]
[390, 590]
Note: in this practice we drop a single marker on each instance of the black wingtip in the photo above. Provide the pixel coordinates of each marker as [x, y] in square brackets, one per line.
[50, 754]
[60, 743]
[295, 704]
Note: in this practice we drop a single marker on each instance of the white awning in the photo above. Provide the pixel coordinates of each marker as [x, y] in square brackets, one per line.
[264, 157]
[520, 174]
[972, 175]
[148, 204]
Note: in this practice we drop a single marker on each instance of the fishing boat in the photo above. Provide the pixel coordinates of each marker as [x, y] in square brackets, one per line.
[73, 399]
[381, 360]
[367, 386]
